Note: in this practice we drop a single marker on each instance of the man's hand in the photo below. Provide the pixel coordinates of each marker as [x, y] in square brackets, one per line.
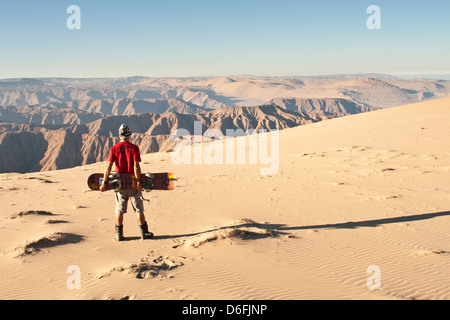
[103, 187]
[139, 186]
[109, 165]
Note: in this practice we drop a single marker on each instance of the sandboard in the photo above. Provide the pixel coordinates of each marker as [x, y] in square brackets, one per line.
[150, 181]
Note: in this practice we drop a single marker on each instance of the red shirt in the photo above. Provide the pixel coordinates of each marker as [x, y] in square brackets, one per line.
[124, 155]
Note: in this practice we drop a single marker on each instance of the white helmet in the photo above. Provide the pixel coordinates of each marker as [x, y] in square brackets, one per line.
[124, 131]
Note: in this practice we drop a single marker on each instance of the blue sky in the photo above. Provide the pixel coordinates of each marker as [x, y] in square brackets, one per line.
[217, 38]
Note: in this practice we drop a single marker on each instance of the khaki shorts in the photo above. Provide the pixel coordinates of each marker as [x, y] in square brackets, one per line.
[122, 201]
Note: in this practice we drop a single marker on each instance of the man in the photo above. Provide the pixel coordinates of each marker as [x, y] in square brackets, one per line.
[126, 157]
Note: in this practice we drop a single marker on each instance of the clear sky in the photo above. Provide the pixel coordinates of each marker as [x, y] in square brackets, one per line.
[222, 37]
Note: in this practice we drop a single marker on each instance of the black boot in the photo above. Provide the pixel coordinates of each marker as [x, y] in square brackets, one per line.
[145, 234]
[119, 233]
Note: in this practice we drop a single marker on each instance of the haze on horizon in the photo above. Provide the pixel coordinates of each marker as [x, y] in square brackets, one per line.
[216, 38]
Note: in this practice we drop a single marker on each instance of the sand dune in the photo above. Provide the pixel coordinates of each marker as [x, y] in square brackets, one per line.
[352, 195]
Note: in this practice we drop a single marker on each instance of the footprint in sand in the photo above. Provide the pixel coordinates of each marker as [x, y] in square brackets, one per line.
[384, 198]
[426, 252]
[387, 169]
[40, 179]
[151, 266]
[55, 221]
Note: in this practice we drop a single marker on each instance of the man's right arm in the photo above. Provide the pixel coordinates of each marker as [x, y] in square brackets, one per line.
[106, 175]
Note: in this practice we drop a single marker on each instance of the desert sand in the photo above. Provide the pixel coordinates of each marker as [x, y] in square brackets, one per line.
[351, 194]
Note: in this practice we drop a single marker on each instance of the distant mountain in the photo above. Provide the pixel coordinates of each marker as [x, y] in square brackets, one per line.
[30, 147]
[13, 95]
[85, 111]
[246, 118]
[374, 90]
[55, 123]
[380, 76]
[330, 106]
[21, 83]
[47, 114]
[127, 106]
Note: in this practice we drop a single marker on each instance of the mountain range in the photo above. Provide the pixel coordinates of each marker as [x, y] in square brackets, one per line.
[57, 123]
[42, 147]
[380, 91]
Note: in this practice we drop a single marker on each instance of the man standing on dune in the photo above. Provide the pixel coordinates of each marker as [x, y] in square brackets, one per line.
[126, 157]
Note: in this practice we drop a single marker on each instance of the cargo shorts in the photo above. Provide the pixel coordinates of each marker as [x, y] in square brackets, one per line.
[135, 198]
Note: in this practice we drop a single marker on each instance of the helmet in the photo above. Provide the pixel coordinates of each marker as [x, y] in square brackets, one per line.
[124, 131]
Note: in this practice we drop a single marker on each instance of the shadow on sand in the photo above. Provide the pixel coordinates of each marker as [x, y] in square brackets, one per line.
[277, 229]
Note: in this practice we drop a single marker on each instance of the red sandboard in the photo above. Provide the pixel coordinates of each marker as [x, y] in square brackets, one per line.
[150, 181]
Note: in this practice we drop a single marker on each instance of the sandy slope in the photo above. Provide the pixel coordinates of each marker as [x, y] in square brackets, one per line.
[364, 190]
